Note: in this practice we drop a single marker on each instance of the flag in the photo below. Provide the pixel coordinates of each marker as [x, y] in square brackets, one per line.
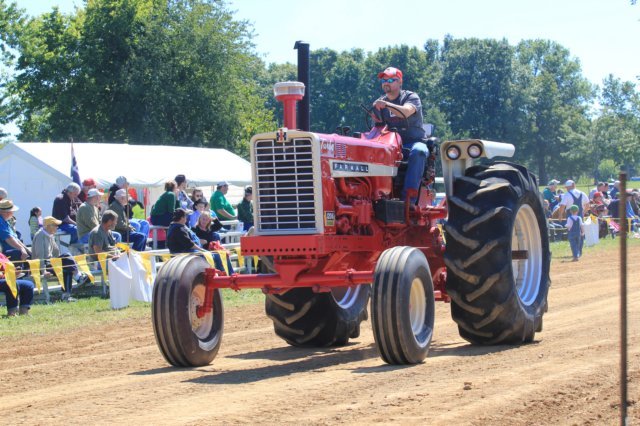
[75, 175]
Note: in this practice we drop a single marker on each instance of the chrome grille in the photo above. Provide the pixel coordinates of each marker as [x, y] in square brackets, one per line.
[284, 179]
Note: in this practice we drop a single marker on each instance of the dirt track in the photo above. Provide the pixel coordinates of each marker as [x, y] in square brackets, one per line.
[115, 374]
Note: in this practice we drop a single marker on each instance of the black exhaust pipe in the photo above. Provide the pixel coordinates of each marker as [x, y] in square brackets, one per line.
[304, 113]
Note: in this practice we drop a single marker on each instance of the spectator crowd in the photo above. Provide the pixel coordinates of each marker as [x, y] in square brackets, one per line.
[85, 219]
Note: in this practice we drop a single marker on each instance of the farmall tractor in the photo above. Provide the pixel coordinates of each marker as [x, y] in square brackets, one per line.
[334, 235]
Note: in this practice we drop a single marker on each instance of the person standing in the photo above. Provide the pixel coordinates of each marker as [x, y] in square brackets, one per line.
[245, 209]
[402, 109]
[165, 205]
[219, 204]
[572, 197]
[575, 227]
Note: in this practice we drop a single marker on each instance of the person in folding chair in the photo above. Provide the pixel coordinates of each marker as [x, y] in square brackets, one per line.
[44, 247]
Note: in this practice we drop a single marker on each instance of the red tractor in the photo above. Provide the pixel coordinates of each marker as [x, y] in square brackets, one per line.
[331, 230]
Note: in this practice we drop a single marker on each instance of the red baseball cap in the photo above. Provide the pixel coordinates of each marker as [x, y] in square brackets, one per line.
[390, 73]
[89, 182]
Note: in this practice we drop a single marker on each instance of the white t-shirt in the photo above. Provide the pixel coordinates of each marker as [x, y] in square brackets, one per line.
[567, 199]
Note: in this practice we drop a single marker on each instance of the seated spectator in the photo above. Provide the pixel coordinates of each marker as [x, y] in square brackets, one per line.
[199, 207]
[121, 183]
[128, 232]
[65, 208]
[35, 221]
[162, 210]
[88, 216]
[44, 247]
[245, 209]
[87, 185]
[101, 238]
[549, 193]
[183, 199]
[219, 204]
[613, 192]
[12, 247]
[196, 195]
[181, 239]
[25, 292]
[206, 228]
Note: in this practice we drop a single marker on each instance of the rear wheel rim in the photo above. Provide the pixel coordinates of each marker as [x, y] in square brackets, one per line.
[345, 297]
[201, 327]
[527, 272]
[417, 307]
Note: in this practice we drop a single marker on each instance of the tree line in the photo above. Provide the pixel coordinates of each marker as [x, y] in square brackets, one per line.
[185, 72]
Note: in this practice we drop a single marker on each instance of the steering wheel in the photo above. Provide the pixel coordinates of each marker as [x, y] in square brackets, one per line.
[379, 118]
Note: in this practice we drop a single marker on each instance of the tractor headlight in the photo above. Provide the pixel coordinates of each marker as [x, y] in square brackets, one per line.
[453, 152]
[474, 150]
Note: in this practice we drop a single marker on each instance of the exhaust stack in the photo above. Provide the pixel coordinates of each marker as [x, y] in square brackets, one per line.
[304, 113]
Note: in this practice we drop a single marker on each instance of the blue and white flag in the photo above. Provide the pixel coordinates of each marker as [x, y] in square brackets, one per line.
[75, 175]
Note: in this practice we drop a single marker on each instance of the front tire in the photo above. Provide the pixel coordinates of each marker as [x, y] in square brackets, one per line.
[497, 255]
[184, 339]
[403, 306]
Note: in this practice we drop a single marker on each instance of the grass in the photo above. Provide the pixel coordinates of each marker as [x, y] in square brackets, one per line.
[92, 311]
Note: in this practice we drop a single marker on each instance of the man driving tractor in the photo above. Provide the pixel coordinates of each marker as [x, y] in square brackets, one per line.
[402, 109]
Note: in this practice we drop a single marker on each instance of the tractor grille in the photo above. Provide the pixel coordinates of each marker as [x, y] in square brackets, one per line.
[285, 200]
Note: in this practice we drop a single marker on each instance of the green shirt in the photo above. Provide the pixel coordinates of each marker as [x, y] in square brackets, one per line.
[219, 201]
[87, 218]
[548, 195]
[245, 211]
[165, 204]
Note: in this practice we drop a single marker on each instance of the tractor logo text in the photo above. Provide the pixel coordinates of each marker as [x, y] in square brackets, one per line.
[327, 147]
[351, 167]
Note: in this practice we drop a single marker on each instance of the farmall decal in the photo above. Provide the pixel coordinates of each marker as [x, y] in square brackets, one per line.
[350, 167]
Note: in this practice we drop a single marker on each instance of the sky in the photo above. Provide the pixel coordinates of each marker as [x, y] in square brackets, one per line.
[602, 34]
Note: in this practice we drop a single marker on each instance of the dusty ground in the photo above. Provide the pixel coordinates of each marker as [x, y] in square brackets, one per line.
[115, 374]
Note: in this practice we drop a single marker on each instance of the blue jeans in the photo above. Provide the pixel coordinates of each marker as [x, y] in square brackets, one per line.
[418, 153]
[138, 240]
[14, 255]
[71, 230]
[25, 292]
[576, 242]
[141, 225]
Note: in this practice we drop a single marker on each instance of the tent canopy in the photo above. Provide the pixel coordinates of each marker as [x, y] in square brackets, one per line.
[144, 166]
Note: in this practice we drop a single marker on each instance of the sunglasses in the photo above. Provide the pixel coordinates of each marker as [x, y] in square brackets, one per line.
[388, 80]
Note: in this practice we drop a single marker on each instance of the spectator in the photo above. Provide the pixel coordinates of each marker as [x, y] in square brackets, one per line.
[65, 208]
[25, 292]
[205, 229]
[101, 238]
[601, 187]
[572, 197]
[196, 195]
[35, 221]
[121, 183]
[598, 208]
[181, 239]
[88, 216]
[183, 199]
[245, 209]
[615, 190]
[162, 210]
[44, 247]
[549, 193]
[12, 247]
[87, 185]
[128, 232]
[576, 231]
[219, 204]
[199, 207]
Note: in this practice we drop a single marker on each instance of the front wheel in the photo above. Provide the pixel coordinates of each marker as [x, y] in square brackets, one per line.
[402, 306]
[184, 339]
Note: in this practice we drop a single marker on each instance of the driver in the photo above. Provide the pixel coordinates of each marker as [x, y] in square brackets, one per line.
[402, 109]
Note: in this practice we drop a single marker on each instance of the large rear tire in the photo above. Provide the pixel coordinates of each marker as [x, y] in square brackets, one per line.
[402, 306]
[497, 255]
[184, 339]
[307, 319]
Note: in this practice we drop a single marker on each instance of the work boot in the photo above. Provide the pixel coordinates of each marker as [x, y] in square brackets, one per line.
[24, 310]
[12, 312]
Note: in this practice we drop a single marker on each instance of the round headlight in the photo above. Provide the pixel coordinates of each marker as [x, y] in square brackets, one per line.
[453, 152]
[474, 150]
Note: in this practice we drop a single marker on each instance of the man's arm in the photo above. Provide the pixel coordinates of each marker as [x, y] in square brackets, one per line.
[17, 244]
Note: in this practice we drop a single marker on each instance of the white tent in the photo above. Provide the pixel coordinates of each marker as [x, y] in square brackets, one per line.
[34, 173]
